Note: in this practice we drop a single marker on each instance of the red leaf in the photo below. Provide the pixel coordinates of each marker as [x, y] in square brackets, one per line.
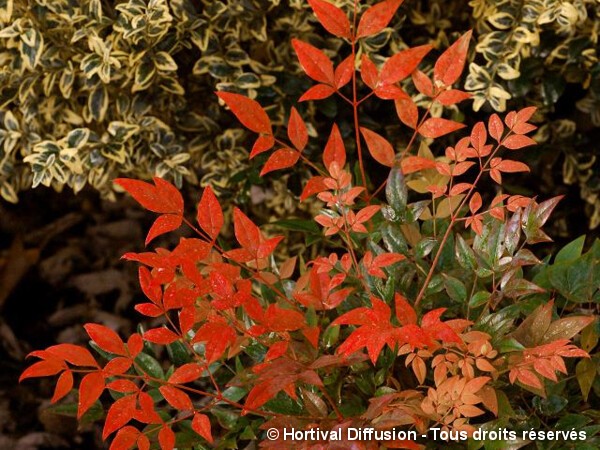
[318, 92]
[313, 186]
[166, 438]
[176, 397]
[162, 198]
[331, 17]
[105, 338]
[450, 64]
[63, 386]
[402, 64]
[435, 127]
[496, 127]
[508, 165]
[297, 131]
[412, 164]
[117, 366]
[248, 112]
[186, 373]
[122, 386]
[377, 17]
[405, 313]
[343, 72]
[210, 214]
[126, 438]
[262, 144]
[517, 141]
[160, 336]
[379, 147]
[280, 159]
[334, 149]
[407, 112]
[217, 335]
[151, 289]
[368, 72]
[90, 389]
[201, 424]
[423, 83]
[135, 344]
[74, 354]
[478, 137]
[119, 414]
[525, 114]
[267, 247]
[42, 369]
[452, 96]
[315, 63]
[279, 319]
[246, 232]
[163, 224]
[475, 203]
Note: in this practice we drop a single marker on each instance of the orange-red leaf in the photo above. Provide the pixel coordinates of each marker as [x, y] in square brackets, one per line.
[210, 214]
[343, 72]
[90, 389]
[495, 127]
[201, 425]
[313, 186]
[317, 92]
[63, 386]
[408, 112]
[423, 83]
[166, 438]
[186, 373]
[435, 127]
[412, 164]
[297, 131]
[377, 17]
[106, 339]
[315, 63]
[42, 369]
[246, 232]
[451, 63]
[248, 112]
[379, 147]
[280, 159]
[176, 397]
[475, 203]
[74, 354]
[368, 72]
[163, 224]
[334, 149]
[263, 143]
[331, 17]
[119, 414]
[507, 165]
[402, 64]
[405, 313]
[452, 97]
[162, 198]
[517, 141]
[160, 335]
[126, 438]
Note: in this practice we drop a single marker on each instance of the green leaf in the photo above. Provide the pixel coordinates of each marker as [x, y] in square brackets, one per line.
[455, 289]
[465, 254]
[585, 371]
[479, 298]
[303, 225]
[570, 421]
[551, 405]
[395, 190]
[149, 366]
[570, 251]
[510, 345]
[98, 102]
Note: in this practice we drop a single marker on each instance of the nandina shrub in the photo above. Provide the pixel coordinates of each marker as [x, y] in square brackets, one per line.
[411, 320]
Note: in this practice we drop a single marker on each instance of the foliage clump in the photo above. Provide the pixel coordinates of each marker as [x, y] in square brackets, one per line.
[426, 307]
